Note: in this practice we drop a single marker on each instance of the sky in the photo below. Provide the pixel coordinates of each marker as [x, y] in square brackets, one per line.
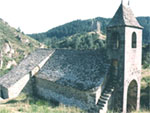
[34, 16]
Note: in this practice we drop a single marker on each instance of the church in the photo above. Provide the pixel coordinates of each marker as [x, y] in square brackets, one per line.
[93, 80]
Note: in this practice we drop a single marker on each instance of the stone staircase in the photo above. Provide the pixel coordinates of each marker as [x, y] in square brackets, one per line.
[102, 104]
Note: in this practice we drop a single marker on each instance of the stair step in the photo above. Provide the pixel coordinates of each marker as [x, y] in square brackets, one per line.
[100, 108]
[105, 95]
[108, 90]
[104, 98]
[100, 104]
[92, 110]
[102, 101]
[110, 87]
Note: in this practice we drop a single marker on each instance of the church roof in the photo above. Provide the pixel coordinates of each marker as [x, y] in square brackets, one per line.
[80, 69]
[124, 17]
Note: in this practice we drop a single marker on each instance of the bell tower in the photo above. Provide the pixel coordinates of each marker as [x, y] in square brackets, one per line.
[124, 49]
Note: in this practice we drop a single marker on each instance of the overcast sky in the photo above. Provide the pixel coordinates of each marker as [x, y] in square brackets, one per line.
[34, 16]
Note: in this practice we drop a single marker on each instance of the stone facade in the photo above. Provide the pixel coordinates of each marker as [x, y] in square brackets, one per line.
[63, 94]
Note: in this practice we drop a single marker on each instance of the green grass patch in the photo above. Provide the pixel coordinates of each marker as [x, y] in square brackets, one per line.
[4, 110]
[29, 104]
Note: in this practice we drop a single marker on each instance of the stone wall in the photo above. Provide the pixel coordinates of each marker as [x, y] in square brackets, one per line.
[16, 89]
[28, 89]
[98, 91]
[132, 62]
[3, 92]
[63, 94]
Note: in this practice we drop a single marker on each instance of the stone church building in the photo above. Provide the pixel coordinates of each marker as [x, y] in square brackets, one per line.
[94, 80]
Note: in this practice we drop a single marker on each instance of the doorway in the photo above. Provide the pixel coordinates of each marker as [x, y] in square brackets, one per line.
[132, 96]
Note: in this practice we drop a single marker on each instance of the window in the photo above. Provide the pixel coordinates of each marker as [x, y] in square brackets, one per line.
[2, 95]
[134, 40]
[114, 68]
[115, 40]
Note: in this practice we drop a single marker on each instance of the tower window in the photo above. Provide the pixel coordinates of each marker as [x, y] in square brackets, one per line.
[134, 40]
[2, 95]
[115, 41]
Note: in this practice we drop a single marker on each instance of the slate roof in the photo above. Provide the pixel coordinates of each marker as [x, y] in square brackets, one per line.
[80, 69]
[124, 17]
[24, 67]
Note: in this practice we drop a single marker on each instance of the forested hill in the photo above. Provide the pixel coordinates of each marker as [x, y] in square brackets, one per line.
[72, 28]
[82, 26]
[145, 22]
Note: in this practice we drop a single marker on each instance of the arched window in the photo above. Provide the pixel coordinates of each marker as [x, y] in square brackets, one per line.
[115, 40]
[134, 40]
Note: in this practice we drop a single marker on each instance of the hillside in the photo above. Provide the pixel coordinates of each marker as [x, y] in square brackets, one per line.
[82, 26]
[14, 46]
[146, 56]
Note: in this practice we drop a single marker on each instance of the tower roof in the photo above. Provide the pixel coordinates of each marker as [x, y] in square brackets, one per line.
[124, 17]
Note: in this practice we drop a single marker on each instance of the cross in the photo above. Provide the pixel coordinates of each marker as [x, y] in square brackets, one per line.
[126, 2]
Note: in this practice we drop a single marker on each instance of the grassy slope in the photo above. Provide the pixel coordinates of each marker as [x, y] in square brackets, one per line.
[21, 44]
[29, 104]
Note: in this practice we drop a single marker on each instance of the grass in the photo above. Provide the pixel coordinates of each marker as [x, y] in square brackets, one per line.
[141, 111]
[28, 104]
[3, 110]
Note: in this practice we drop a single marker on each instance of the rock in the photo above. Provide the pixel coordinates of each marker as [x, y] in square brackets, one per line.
[10, 54]
[26, 41]
[1, 63]
[18, 37]
[22, 39]
[6, 48]
[42, 45]
[12, 51]
[11, 63]
[1, 60]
